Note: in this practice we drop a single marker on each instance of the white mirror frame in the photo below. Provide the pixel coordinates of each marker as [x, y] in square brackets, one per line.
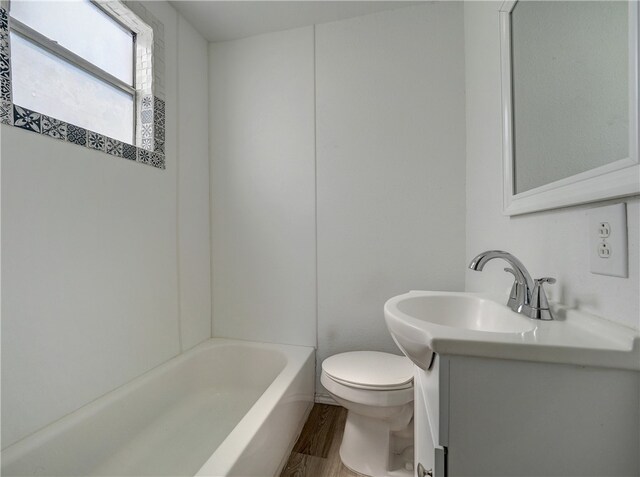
[617, 179]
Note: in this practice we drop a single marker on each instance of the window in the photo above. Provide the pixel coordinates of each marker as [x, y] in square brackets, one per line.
[75, 62]
[85, 72]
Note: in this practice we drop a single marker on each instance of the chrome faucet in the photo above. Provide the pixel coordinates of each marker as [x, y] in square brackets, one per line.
[527, 295]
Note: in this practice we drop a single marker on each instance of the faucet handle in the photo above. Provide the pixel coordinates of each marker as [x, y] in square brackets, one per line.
[539, 303]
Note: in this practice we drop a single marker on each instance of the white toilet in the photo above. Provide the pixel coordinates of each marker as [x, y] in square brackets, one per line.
[377, 390]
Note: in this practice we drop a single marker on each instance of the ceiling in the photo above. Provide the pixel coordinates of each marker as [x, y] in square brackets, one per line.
[230, 20]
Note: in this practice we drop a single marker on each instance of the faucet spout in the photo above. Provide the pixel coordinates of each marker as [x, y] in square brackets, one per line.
[522, 275]
[522, 291]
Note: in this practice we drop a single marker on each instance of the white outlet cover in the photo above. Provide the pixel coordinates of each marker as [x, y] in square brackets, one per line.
[616, 265]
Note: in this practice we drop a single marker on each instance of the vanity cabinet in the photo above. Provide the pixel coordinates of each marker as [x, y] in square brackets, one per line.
[496, 417]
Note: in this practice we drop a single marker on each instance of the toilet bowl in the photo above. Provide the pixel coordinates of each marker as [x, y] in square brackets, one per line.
[377, 391]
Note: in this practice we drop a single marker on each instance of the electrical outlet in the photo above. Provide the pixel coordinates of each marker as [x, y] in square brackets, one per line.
[604, 251]
[608, 240]
[604, 229]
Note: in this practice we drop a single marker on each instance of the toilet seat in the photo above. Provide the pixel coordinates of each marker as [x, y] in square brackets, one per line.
[368, 397]
[389, 387]
[370, 378]
[371, 370]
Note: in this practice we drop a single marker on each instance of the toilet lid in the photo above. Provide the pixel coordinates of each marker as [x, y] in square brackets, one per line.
[371, 369]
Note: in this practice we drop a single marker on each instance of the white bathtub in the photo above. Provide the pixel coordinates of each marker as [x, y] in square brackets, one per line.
[224, 408]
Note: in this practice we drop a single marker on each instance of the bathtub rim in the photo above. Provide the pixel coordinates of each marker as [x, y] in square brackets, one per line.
[225, 457]
[295, 355]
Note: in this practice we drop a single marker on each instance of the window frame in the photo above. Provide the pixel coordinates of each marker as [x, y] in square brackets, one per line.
[148, 145]
[38, 39]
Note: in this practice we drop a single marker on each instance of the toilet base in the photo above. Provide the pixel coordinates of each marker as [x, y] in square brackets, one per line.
[370, 447]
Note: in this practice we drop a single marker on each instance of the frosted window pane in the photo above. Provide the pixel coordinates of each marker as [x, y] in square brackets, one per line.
[84, 29]
[45, 83]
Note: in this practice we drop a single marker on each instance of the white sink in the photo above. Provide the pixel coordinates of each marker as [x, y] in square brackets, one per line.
[425, 322]
[463, 311]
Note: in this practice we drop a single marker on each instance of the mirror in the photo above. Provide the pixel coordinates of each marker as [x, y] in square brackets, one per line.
[570, 102]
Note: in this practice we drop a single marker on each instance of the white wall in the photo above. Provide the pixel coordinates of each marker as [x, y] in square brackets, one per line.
[263, 188]
[390, 136]
[90, 281]
[553, 243]
[390, 175]
[193, 186]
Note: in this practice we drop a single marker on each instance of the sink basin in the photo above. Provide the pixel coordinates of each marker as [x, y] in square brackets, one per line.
[469, 324]
[417, 319]
[464, 312]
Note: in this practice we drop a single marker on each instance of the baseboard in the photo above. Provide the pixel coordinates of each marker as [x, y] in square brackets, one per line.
[325, 399]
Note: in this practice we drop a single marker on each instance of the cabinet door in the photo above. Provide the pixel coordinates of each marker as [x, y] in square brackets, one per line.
[433, 385]
[431, 460]
[424, 442]
[430, 454]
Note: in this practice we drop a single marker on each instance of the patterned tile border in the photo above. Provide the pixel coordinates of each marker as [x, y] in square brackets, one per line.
[150, 150]
[26, 119]
[76, 135]
[6, 113]
[41, 124]
[53, 127]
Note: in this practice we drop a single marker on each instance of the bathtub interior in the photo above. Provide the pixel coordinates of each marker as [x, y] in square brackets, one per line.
[167, 422]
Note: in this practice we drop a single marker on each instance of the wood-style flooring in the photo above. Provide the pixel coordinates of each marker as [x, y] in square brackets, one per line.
[316, 453]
